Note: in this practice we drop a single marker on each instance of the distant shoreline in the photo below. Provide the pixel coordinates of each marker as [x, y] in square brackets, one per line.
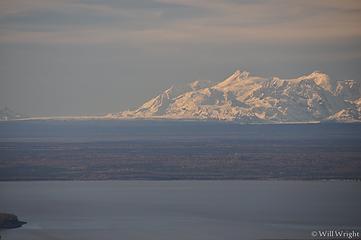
[186, 179]
[165, 151]
[190, 180]
[160, 119]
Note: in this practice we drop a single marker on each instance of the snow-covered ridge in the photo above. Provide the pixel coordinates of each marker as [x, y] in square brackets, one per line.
[243, 97]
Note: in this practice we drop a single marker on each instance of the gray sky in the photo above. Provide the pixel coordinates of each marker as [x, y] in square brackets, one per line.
[68, 57]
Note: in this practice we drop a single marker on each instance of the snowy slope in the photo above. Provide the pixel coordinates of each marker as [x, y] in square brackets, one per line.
[7, 114]
[246, 98]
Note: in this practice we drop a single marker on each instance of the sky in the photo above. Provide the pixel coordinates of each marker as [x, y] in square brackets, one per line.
[87, 57]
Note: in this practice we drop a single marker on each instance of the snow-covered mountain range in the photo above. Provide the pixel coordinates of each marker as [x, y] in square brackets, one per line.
[243, 97]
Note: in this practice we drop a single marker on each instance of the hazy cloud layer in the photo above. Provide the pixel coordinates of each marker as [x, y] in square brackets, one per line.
[75, 56]
[139, 22]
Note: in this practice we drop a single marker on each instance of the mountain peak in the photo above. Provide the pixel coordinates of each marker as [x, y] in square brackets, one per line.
[321, 79]
[318, 74]
[233, 81]
[238, 74]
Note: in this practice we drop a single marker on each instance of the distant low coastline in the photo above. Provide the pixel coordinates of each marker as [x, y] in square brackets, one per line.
[106, 118]
[178, 150]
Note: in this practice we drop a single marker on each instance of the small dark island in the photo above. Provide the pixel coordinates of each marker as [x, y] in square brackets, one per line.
[9, 221]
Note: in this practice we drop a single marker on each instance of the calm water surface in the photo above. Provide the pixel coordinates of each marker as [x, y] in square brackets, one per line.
[180, 209]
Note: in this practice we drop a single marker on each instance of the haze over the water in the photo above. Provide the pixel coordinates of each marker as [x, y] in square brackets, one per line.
[62, 57]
